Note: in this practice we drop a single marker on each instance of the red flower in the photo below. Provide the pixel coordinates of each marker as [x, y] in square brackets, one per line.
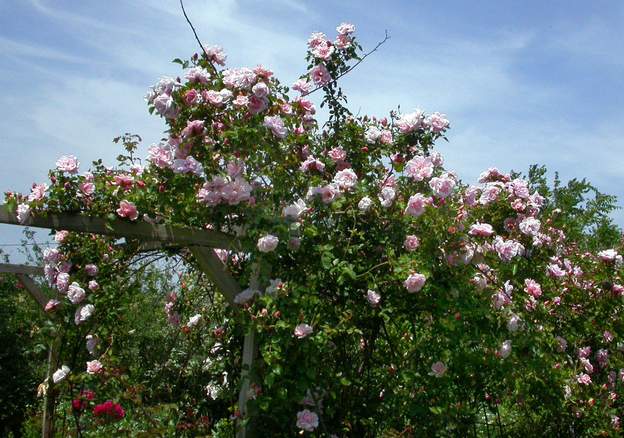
[109, 409]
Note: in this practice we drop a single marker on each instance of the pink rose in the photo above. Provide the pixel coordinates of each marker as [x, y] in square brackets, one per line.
[507, 249]
[386, 197]
[414, 282]
[128, 210]
[337, 154]
[87, 188]
[68, 163]
[302, 86]
[562, 344]
[75, 293]
[60, 236]
[193, 128]
[198, 75]
[416, 205]
[345, 179]
[443, 185]
[438, 369]
[411, 243]
[52, 305]
[217, 98]
[307, 420]
[320, 75]
[505, 349]
[479, 229]
[437, 122]
[62, 282]
[345, 28]
[489, 193]
[91, 270]
[608, 336]
[608, 255]
[532, 287]
[411, 121]
[373, 298]
[530, 226]
[216, 55]
[94, 367]
[276, 125]
[165, 106]
[37, 192]
[312, 163]
[419, 168]
[584, 352]
[518, 188]
[324, 50]
[267, 243]
[303, 330]
[192, 96]
[365, 203]
[83, 313]
[554, 270]
[584, 379]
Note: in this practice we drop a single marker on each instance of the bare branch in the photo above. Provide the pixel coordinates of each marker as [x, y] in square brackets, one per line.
[188, 20]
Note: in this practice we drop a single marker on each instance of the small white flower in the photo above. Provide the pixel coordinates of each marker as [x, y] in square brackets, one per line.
[60, 374]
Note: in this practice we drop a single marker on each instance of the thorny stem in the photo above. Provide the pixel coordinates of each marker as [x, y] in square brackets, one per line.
[333, 81]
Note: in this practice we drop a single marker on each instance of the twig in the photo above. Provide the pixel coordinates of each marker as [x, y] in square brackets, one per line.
[193, 29]
[379, 44]
[188, 20]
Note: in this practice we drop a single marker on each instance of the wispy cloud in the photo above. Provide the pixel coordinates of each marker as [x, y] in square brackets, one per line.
[19, 49]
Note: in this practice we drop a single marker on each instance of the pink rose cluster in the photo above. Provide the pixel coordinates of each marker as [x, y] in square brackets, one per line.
[225, 190]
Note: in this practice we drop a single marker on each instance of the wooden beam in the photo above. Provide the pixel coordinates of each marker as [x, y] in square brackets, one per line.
[20, 269]
[211, 264]
[121, 228]
[33, 290]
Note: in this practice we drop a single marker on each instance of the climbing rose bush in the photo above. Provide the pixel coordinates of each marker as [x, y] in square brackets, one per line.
[386, 295]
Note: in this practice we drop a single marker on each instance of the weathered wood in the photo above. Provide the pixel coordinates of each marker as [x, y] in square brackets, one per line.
[49, 400]
[249, 352]
[120, 228]
[212, 265]
[33, 289]
[20, 269]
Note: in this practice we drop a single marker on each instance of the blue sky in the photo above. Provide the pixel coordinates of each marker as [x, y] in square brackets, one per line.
[522, 82]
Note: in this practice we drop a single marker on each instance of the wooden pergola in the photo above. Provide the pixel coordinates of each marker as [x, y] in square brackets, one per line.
[202, 244]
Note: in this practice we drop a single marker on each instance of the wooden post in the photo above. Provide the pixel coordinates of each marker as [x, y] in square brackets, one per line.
[249, 352]
[49, 398]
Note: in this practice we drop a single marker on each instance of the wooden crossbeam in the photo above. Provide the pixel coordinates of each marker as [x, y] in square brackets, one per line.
[20, 269]
[210, 263]
[33, 290]
[119, 228]
[23, 273]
